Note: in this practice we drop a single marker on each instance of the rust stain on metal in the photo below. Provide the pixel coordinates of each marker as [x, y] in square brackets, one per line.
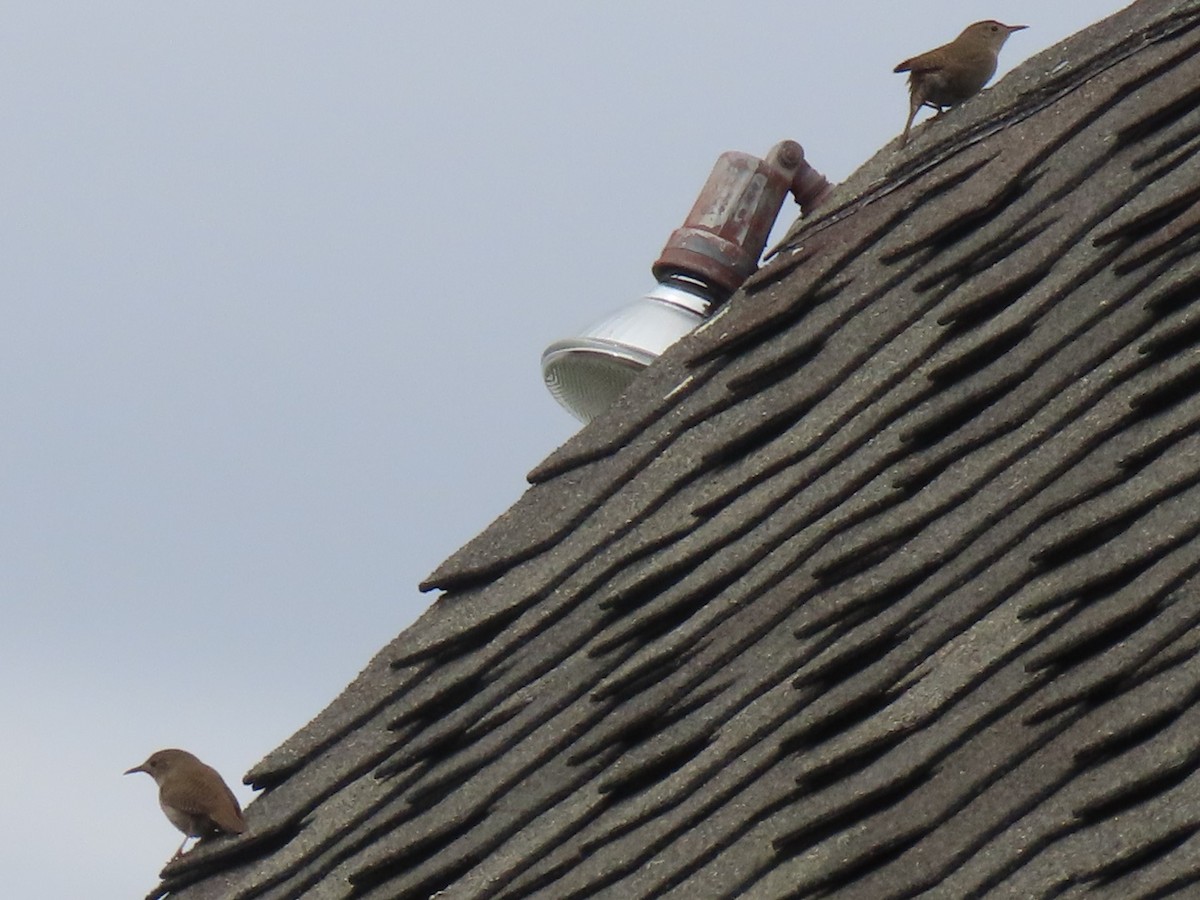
[723, 237]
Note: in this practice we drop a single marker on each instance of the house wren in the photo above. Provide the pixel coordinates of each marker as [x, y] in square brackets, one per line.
[956, 71]
[193, 795]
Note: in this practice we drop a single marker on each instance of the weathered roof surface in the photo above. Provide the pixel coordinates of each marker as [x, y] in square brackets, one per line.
[886, 580]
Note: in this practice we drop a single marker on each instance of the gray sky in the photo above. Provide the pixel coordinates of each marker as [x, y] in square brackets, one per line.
[276, 280]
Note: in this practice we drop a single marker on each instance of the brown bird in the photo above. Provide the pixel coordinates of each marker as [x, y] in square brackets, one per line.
[954, 72]
[194, 796]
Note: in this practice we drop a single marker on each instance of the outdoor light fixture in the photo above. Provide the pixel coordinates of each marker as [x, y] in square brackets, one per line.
[703, 263]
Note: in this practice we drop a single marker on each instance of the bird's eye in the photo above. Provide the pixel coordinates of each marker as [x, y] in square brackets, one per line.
[995, 28]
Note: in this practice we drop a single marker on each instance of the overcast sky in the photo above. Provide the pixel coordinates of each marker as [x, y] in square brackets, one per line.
[276, 279]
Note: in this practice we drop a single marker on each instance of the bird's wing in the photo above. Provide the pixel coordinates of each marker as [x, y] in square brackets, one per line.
[926, 62]
[228, 816]
[213, 799]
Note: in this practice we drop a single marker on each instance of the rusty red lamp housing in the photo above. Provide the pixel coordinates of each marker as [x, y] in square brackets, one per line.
[702, 264]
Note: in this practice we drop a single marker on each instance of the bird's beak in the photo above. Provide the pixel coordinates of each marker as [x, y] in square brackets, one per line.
[140, 768]
[1016, 27]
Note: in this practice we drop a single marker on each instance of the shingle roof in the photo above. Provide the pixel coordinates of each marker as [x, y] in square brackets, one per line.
[885, 580]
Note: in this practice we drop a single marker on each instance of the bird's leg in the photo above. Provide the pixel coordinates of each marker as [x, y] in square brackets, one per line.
[179, 852]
